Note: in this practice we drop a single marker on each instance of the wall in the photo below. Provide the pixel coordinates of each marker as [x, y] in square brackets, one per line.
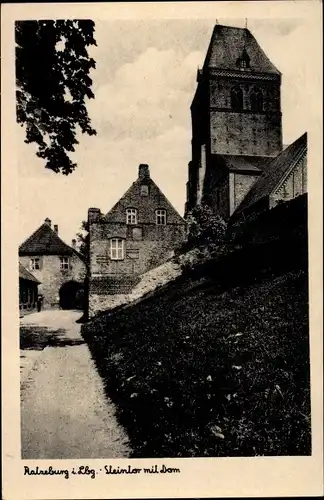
[294, 185]
[52, 278]
[219, 197]
[147, 283]
[156, 246]
[245, 132]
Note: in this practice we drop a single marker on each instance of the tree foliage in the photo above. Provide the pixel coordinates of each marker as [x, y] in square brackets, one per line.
[84, 240]
[204, 226]
[52, 85]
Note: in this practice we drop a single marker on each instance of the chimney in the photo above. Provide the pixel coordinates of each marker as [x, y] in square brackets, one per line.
[143, 171]
[74, 244]
[56, 228]
[93, 215]
[48, 222]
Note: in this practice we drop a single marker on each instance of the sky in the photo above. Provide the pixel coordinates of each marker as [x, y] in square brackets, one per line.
[144, 82]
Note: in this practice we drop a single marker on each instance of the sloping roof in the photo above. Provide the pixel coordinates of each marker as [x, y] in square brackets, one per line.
[244, 163]
[146, 205]
[26, 275]
[227, 45]
[278, 168]
[45, 241]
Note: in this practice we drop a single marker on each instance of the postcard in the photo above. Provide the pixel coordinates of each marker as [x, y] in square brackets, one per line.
[161, 250]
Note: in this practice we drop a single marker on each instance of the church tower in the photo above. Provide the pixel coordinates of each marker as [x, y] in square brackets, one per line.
[236, 120]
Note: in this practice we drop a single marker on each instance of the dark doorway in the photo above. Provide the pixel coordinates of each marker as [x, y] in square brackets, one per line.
[72, 295]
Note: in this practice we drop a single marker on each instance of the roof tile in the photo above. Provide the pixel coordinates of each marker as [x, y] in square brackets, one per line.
[227, 45]
[44, 241]
[26, 275]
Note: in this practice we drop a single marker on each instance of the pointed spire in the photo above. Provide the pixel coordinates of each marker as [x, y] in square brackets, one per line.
[246, 23]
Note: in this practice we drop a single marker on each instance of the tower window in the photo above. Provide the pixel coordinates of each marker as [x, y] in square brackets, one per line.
[131, 216]
[237, 98]
[243, 62]
[256, 99]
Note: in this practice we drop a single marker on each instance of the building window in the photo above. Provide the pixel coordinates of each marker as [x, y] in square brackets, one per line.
[144, 190]
[256, 99]
[160, 217]
[131, 216]
[35, 263]
[64, 263]
[117, 249]
[237, 98]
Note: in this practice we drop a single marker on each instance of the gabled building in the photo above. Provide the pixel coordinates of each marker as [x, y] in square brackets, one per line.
[140, 232]
[236, 121]
[58, 267]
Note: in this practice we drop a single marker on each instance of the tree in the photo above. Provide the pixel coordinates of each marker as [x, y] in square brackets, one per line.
[52, 85]
[205, 227]
[83, 239]
[84, 249]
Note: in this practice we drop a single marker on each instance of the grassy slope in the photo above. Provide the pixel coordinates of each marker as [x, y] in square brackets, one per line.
[216, 363]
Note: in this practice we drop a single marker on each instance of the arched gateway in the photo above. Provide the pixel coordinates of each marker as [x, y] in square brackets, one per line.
[72, 295]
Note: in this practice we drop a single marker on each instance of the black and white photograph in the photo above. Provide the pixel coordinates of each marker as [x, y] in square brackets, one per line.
[163, 284]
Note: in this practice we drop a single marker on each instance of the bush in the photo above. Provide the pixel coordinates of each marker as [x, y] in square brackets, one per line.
[205, 227]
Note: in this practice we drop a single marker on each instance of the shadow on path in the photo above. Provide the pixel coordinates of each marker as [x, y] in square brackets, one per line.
[36, 338]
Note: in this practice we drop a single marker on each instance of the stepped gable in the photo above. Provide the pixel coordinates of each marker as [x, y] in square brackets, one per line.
[278, 168]
[45, 241]
[228, 44]
[26, 275]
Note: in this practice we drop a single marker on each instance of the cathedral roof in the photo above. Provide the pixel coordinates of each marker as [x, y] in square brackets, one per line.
[45, 241]
[278, 169]
[228, 45]
[243, 163]
[26, 275]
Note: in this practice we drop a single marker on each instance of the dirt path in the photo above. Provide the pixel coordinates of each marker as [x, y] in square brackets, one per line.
[64, 411]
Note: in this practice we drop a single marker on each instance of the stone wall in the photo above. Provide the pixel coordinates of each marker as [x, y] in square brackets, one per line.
[148, 282]
[52, 277]
[245, 132]
[155, 247]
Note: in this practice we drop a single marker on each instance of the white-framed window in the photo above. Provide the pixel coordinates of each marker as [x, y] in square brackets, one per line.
[117, 249]
[35, 263]
[160, 217]
[144, 190]
[131, 216]
[64, 263]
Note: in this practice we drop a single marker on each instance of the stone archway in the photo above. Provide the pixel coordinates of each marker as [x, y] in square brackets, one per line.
[71, 295]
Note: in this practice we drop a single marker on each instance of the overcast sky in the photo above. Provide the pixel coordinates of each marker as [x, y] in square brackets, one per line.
[144, 83]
